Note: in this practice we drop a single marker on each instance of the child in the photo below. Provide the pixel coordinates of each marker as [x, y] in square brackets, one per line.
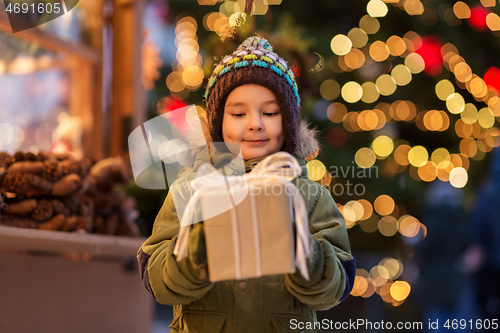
[252, 101]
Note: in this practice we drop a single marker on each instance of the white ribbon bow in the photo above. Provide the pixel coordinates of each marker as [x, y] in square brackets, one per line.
[280, 167]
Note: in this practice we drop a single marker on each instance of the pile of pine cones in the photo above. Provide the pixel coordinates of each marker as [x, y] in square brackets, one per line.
[55, 192]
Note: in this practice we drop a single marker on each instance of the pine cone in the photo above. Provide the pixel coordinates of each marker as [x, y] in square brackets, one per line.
[43, 211]
[29, 156]
[71, 166]
[67, 185]
[27, 167]
[55, 223]
[22, 208]
[5, 160]
[18, 156]
[51, 169]
[15, 182]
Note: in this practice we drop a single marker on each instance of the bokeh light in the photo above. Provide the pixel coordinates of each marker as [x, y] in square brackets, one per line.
[376, 8]
[383, 146]
[400, 290]
[458, 177]
[415, 63]
[386, 85]
[358, 37]
[352, 92]
[336, 112]
[418, 156]
[388, 226]
[316, 170]
[455, 103]
[444, 88]
[369, 24]
[384, 204]
[365, 157]
[370, 92]
[341, 44]
[401, 75]
[329, 89]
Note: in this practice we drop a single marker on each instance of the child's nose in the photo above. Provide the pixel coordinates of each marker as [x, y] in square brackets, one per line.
[255, 123]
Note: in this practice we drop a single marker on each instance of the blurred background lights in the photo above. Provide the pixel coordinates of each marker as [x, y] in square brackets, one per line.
[369, 24]
[367, 209]
[358, 37]
[414, 7]
[336, 112]
[379, 51]
[441, 158]
[401, 75]
[354, 59]
[486, 118]
[393, 266]
[376, 8]
[329, 89]
[455, 103]
[386, 85]
[365, 157]
[353, 211]
[417, 156]
[384, 204]
[492, 78]
[352, 92]
[396, 45]
[316, 170]
[415, 63]
[461, 10]
[379, 275]
[370, 92]
[493, 21]
[388, 226]
[401, 154]
[408, 226]
[383, 146]
[458, 177]
[400, 290]
[477, 18]
[444, 88]
[469, 114]
[341, 44]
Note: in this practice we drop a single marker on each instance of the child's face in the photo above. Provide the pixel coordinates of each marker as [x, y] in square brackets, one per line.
[252, 120]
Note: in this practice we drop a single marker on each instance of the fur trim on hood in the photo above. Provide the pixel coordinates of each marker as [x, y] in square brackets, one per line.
[307, 148]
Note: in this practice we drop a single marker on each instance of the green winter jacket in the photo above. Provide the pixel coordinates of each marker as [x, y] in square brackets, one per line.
[265, 304]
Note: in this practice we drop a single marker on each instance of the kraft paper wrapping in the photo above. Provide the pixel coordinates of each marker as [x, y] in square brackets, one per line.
[253, 239]
[249, 235]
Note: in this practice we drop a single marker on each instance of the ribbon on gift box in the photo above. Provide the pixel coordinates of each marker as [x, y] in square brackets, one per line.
[280, 167]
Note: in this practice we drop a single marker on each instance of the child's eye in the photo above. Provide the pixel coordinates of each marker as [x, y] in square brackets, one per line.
[271, 114]
[238, 115]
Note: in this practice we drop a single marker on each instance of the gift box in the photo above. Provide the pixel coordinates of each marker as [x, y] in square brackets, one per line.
[253, 238]
[248, 220]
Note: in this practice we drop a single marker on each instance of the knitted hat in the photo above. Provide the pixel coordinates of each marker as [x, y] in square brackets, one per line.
[254, 62]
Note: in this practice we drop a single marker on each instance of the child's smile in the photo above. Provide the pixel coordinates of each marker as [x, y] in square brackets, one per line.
[253, 121]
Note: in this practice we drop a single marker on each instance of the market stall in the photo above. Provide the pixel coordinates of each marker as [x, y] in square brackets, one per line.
[71, 92]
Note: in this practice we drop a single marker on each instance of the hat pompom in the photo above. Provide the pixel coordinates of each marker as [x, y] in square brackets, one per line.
[257, 42]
